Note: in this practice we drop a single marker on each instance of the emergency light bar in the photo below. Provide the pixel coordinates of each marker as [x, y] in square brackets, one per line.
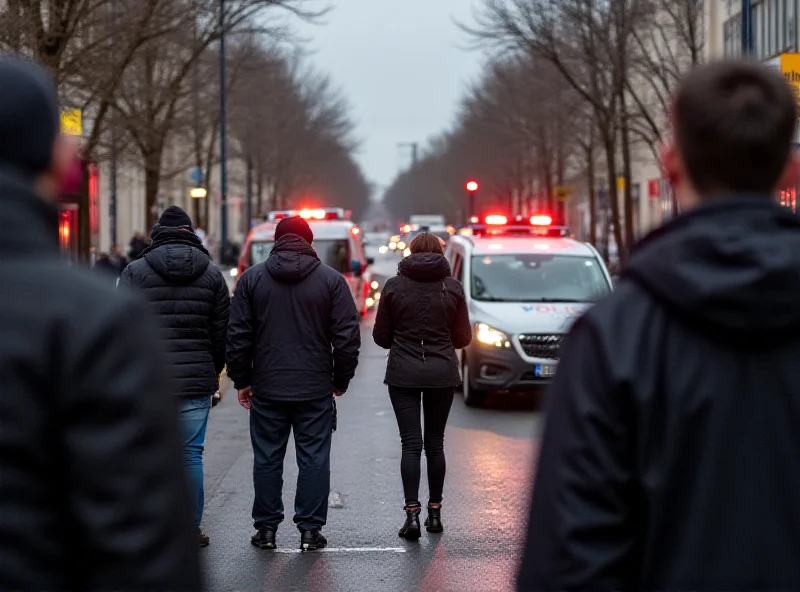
[536, 225]
[311, 214]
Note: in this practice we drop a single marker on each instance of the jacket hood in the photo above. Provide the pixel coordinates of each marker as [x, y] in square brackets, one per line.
[176, 255]
[731, 266]
[28, 224]
[424, 267]
[292, 259]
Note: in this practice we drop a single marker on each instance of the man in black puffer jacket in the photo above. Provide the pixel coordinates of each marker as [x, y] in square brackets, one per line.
[191, 299]
[293, 343]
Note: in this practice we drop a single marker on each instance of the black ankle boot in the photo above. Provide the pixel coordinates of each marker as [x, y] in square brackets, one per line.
[411, 530]
[433, 523]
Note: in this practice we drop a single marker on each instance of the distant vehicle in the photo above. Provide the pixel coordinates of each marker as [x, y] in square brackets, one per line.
[337, 241]
[525, 283]
[426, 220]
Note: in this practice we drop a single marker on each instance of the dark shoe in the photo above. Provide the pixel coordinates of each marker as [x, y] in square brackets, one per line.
[264, 538]
[203, 538]
[433, 523]
[311, 540]
[411, 530]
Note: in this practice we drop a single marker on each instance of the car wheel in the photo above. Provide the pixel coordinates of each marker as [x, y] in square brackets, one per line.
[472, 397]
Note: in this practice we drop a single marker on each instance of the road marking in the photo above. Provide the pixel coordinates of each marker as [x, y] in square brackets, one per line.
[335, 500]
[347, 550]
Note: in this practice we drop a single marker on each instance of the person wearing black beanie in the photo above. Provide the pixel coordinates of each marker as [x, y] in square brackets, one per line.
[191, 299]
[84, 394]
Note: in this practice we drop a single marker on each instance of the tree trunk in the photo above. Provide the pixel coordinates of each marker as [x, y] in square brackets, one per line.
[610, 147]
[152, 179]
[592, 190]
[630, 235]
[260, 193]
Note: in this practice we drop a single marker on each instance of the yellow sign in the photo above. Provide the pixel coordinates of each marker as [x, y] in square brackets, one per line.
[790, 68]
[562, 193]
[198, 192]
[620, 183]
[71, 122]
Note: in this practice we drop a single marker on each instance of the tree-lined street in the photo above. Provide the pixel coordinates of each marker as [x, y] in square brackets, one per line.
[489, 455]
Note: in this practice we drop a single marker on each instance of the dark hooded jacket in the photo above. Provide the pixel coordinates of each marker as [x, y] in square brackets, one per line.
[92, 487]
[671, 455]
[294, 333]
[422, 319]
[191, 300]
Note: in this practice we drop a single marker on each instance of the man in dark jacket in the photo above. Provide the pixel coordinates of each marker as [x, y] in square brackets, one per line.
[670, 457]
[293, 342]
[189, 296]
[92, 494]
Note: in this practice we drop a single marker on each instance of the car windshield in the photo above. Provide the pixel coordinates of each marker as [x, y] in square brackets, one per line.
[260, 251]
[535, 277]
[331, 252]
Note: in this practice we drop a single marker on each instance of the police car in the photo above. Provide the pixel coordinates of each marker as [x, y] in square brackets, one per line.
[525, 282]
[337, 241]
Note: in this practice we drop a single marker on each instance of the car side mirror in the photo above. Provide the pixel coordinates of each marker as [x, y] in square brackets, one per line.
[357, 268]
[370, 260]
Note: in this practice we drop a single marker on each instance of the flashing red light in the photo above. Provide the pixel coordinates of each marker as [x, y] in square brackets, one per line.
[496, 220]
[472, 186]
[541, 220]
[406, 229]
[474, 220]
[313, 214]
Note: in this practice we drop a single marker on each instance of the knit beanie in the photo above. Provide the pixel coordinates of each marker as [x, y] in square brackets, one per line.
[294, 225]
[175, 217]
[29, 115]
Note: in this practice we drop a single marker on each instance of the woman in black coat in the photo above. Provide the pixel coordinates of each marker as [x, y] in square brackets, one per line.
[422, 319]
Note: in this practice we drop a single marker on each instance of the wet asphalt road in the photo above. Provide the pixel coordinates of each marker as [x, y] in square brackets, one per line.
[490, 457]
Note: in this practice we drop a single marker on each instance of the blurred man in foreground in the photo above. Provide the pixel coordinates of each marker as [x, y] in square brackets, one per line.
[670, 457]
[293, 344]
[92, 488]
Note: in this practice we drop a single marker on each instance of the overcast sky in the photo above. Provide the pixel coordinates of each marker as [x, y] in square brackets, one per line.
[402, 65]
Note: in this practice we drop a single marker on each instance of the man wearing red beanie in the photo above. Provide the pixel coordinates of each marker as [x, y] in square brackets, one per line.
[293, 341]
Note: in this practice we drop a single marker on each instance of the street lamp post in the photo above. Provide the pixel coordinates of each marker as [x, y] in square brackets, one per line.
[223, 140]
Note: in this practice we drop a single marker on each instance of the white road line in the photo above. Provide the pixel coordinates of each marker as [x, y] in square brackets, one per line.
[347, 550]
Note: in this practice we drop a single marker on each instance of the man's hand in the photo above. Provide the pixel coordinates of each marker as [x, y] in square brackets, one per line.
[338, 393]
[245, 394]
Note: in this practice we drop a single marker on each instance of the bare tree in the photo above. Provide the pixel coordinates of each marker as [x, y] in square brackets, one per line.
[158, 82]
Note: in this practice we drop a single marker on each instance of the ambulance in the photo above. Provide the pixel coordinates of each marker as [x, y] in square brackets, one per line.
[337, 241]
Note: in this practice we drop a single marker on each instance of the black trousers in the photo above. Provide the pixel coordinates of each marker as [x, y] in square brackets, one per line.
[270, 424]
[435, 405]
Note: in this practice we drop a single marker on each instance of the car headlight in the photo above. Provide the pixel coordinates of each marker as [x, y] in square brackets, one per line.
[374, 285]
[383, 249]
[489, 336]
[401, 245]
[407, 252]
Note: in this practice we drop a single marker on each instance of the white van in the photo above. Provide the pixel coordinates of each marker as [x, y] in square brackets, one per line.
[524, 287]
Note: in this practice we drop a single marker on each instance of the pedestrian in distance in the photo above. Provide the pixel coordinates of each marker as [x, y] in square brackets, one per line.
[92, 493]
[422, 320]
[190, 298]
[293, 345]
[670, 455]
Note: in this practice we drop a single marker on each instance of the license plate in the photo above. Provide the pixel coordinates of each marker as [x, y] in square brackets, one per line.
[545, 370]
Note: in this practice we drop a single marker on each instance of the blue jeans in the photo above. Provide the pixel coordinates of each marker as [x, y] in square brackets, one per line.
[193, 415]
[270, 425]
